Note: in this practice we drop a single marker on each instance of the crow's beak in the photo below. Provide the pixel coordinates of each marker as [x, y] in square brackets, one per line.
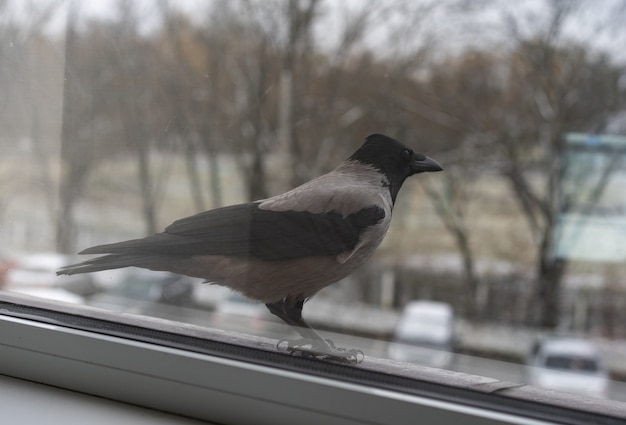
[422, 163]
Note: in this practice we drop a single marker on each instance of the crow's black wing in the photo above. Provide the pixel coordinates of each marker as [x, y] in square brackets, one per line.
[247, 230]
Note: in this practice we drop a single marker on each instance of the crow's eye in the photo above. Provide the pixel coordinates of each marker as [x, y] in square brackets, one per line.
[406, 154]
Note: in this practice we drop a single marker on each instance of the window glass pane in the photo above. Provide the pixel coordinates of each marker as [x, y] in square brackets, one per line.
[119, 118]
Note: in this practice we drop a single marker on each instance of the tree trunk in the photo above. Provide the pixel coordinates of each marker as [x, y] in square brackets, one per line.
[257, 178]
[195, 185]
[214, 175]
[145, 187]
[549, 277]
[473, 304]
[75, 154]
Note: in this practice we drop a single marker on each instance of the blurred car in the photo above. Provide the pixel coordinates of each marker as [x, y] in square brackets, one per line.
[39, 271]
[567, 364]
[36, 270]
[6, 264]
[209, 295]
[139, 290]
[35, 275]
[424, 334]
[238, 312]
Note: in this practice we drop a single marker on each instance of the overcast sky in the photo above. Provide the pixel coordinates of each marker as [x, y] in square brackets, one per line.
[599, 22]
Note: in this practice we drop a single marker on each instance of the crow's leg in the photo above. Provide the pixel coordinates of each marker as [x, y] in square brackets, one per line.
[312, 344]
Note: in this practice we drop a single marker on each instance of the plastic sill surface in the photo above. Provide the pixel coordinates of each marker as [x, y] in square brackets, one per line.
[213, 376]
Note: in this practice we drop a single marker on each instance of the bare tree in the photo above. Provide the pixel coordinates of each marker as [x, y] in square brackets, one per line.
[451, 198]
[517, 104]
[251, 65]
[75, 164]
[299, 18]
[557, 89]
[30, 82]
[134, 59]
[179, 87]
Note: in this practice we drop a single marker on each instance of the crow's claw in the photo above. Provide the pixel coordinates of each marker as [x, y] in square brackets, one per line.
[323, 350]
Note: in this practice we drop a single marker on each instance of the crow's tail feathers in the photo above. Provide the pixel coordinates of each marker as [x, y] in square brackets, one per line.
[145, 253]
[114, 261]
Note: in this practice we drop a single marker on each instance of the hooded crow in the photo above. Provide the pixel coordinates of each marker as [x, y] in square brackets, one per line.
[283, 250]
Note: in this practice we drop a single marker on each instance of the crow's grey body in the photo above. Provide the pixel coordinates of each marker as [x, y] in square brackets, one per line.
[189, 246]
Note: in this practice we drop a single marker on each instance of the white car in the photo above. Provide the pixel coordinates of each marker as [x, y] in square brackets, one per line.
[39, 271]
[238, 313]
[35, 275]
[424, 334]
[36, 270]
[567, 364]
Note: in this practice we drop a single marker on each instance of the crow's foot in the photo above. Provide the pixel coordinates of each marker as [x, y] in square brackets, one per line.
[320, 349]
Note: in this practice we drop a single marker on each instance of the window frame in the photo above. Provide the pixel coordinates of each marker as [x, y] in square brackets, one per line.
[217, 376]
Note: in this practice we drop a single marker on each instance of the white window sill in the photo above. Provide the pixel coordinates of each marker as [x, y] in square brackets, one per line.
[25, 402]
[167, 375]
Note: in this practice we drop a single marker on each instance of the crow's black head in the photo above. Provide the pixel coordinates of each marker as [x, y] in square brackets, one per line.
[393, 159]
